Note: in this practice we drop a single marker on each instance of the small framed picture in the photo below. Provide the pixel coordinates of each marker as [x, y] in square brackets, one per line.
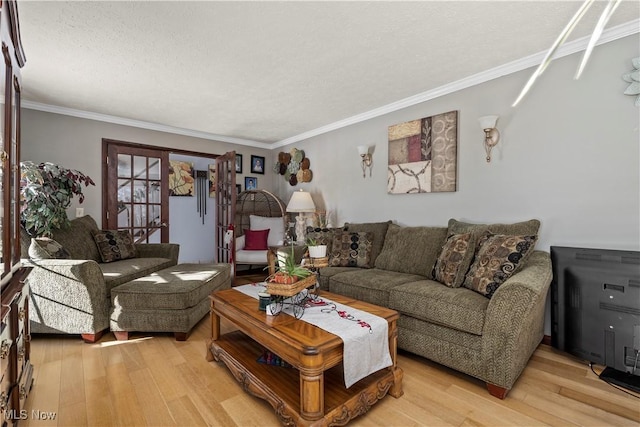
[238, 163]
[250, 183]
[257, 164]
[238, 189]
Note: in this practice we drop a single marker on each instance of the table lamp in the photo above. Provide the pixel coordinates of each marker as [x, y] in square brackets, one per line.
[301, 202]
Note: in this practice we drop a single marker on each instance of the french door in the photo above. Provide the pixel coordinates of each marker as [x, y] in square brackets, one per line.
[135, 191]
[225, 207]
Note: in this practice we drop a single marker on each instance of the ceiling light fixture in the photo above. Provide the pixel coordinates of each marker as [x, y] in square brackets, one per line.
[595, 36]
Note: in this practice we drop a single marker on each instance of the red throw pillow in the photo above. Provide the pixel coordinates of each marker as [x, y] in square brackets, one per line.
[256, 240]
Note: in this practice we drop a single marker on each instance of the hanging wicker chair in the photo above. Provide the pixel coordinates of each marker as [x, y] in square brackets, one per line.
[255, 202]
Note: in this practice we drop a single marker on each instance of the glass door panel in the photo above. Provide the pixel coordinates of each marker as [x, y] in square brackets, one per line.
[139, 205]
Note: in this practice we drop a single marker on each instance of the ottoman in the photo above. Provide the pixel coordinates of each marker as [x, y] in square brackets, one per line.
[169, 300]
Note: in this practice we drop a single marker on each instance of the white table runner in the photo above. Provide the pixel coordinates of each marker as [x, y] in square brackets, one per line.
[365, 335]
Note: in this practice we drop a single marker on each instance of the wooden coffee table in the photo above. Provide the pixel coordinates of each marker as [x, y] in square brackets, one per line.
[314, 392]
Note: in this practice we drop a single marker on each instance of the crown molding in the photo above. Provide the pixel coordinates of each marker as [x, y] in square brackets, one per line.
[614, 33]
[141, 124]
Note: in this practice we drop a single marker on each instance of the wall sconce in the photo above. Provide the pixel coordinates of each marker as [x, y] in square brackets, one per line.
[367, 160]
[491, 134]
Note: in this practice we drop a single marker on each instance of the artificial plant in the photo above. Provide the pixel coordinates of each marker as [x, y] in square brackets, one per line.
[46, 190]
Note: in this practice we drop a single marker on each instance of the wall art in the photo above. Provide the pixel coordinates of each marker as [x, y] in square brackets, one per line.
[294, 166]
[250, 183]
[257, 164]
[423, 155]
[181, 178]
[238, 163]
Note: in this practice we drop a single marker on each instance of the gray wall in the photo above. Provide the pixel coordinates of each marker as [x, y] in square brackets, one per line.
[568, 156]
[76, 143]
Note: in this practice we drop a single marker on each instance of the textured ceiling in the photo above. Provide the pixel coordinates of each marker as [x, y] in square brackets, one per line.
[267, 71]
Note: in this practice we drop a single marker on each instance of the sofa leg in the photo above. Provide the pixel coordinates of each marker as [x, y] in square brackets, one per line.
[91, 338]
[181, 336]
[499, 392]
[121, 335]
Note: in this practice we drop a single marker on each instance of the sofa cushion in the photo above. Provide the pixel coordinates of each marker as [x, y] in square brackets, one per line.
[274, 224]
[369, 285]
[114, 245]
[256, 240]
[46, 248]
[177, 288]
[377, 229]
[518, 228]
[457, 308]
[497, 258]
[454, 260]
[78, 239]
[411, 250]
[119, 272]
[350, 249]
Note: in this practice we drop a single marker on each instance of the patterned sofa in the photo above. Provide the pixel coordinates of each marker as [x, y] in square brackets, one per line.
[483, 323]
[73, 296]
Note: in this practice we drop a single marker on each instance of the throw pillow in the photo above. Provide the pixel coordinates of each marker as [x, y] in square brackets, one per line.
[275, 224]
[497, 259]
[379, 231]
[256, 240]
[46, 248]
[351, 250]
[114, 245]
[324, 236]
[457, 252]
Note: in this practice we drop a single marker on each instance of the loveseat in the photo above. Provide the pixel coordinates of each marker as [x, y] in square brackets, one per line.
[71, 284]
[487, 328]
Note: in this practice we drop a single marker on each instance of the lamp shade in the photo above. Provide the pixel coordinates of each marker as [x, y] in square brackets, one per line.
[363, 149]
[301, 201]
[488, 122]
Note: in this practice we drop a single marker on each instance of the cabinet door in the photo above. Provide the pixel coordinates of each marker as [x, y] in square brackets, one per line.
[5, 165]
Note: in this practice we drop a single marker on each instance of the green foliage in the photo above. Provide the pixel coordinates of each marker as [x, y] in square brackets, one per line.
[311, 241]
[290, 267]
[46, 190]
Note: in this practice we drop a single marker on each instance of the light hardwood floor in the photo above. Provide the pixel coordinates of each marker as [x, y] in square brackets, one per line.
[154, 380]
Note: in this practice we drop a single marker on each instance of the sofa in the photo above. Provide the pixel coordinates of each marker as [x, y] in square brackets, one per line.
[71, 283]
[457, 306]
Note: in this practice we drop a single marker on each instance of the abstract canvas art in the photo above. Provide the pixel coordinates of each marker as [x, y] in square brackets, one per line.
[212, 180]
[181, 178]
[423, 155]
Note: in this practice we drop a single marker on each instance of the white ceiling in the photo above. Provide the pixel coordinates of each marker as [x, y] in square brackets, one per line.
[269, 71]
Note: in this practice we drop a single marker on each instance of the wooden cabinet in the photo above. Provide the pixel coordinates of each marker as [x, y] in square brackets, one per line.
[15, 365]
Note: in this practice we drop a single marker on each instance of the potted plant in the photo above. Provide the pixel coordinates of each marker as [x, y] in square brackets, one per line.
[289, 272]
[316, 250]
[46, 190]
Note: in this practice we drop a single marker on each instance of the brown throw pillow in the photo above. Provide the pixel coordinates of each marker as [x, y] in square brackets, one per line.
[114, 245]
[46, 248]
[497, 258]
[324, 236]
[351, 250]
[454, 260]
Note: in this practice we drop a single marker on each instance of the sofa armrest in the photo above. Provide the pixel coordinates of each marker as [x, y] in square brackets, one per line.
[73, 294]
[514, 323]
[158, 250]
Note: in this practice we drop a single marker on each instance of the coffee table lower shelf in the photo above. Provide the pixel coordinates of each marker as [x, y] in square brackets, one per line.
[280, 386]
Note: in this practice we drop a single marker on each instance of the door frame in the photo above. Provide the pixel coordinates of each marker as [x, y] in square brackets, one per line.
[107, 142]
